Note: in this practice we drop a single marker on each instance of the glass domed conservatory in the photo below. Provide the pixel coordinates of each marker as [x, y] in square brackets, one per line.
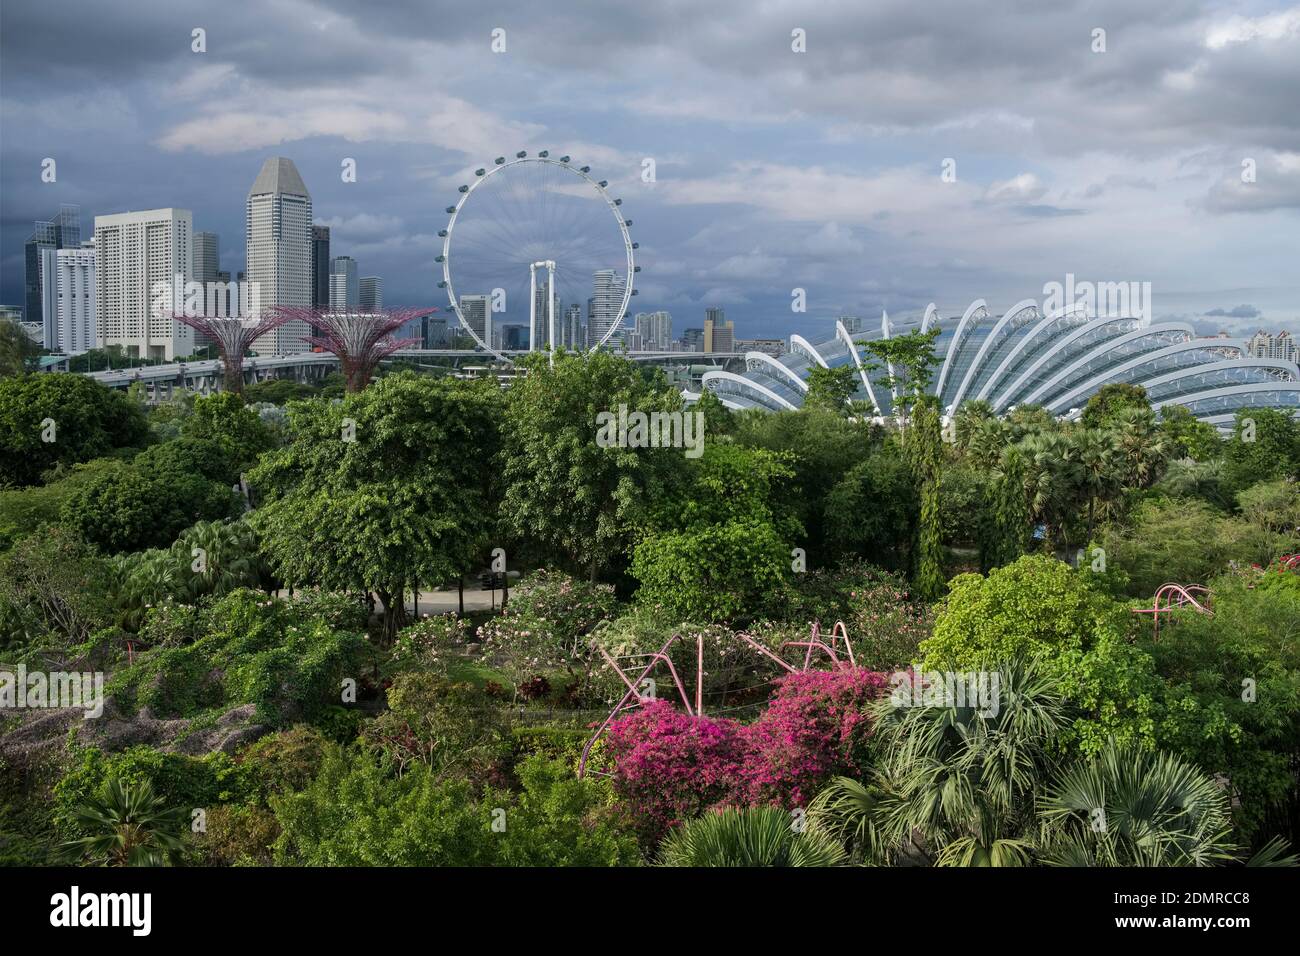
[1022, 357]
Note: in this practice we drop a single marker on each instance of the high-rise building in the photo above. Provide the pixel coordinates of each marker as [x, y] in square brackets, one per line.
[541, 319]
[371, 296]
[573, 330]
[207, 257]
[1267, 345]
[320, 267]
[279, 259]
[654, 331]
[41, 239]
[62, 232]
[693, 340]
[718, 331]
[75, 292]
[136, 255]
[477, 312]
[607, 288]
[207, 269]
[345, 287]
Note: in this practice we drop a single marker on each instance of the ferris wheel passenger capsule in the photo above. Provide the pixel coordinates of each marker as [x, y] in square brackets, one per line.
[464, 189]
[544, 153]
[451, 209]
[480, 172]
[584, 169]
[564, 159]
[521, 154]
[500, 160]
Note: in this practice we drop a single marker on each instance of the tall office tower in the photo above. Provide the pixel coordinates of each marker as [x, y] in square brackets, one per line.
[49, 277]
[573, 336]
[41, 239]
[279, 255]
[136, 255]
[207, 258]
[693, 340]
[434, 332]
[320, 267]
[75, 292]
[718, 331]
[207, 267]
[67, 226]
[477, 311]
[371, 294]
[345, 286]
[62, 232]
[607, 288]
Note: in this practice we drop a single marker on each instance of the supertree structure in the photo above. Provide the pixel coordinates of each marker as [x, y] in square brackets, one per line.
[233, 336]
[361, 340]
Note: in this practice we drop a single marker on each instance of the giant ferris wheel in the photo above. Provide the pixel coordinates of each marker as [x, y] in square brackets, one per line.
[537, 256]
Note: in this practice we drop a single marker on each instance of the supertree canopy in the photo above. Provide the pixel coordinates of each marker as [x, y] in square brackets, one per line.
[233, 336]
[360, 339]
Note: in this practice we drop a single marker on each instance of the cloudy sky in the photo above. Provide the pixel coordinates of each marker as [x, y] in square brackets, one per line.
[775, 169]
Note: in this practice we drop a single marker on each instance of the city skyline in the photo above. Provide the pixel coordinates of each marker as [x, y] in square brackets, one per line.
[781, 175]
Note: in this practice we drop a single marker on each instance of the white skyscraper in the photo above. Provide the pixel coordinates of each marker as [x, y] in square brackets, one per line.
[280, 248]
[602, 308]
[135, 252]
[75, 289]
[345, 287]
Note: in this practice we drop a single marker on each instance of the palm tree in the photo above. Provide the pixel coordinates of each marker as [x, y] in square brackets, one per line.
[1135, 807]
[1098, 470]
[128, 827]
[1143, 448]
[1051, 466]
[755, 836]
[957, 783]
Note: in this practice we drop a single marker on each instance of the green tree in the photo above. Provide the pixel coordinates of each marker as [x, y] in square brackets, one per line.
[724, 547]
[564, 491]
[392, 487]
[18, 353]
[1265, 444]
[1191, 437]
[223, 417]
[926, 452]
[908, 363]
[1107, 401]
[831, 388]
[58, 418]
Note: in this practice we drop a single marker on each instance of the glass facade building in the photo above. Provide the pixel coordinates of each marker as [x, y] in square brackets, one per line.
[1023, 356]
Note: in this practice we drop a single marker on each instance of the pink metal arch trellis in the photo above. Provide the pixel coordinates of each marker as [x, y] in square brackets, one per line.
[1174, 597]
[632, 696]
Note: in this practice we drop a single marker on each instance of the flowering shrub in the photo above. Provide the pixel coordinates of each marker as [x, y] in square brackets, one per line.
[669, 766]
[430, 642]
[815, 726]
[545, 626]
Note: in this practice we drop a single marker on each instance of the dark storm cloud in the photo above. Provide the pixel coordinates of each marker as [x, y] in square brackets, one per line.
[1240, 312]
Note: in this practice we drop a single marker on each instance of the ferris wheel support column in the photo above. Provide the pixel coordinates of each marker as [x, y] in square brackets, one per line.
[532, 307]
